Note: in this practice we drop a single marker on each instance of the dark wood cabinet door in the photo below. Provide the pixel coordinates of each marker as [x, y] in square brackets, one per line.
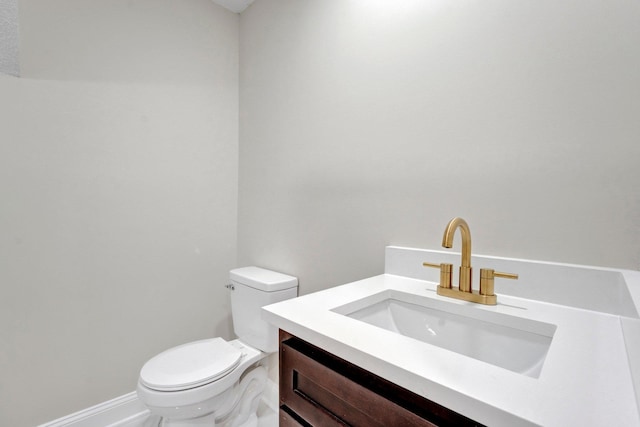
[320, 389]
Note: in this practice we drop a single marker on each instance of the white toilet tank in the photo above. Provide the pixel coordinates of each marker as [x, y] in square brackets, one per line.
[251, 289]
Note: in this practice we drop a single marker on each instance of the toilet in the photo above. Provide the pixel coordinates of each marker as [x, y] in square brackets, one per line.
[214, 382]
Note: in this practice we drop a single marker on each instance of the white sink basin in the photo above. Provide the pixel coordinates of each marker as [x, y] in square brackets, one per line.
[510, 342]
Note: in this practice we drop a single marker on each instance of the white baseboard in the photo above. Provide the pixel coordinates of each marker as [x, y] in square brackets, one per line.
[106, 414]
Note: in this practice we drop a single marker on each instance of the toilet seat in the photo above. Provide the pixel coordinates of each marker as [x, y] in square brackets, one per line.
[190, 365]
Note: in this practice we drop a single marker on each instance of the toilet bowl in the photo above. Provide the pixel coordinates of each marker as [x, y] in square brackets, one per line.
[186, 382]
[215, 382]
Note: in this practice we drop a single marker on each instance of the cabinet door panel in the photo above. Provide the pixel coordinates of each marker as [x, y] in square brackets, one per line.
[322, 396]
[320, 389]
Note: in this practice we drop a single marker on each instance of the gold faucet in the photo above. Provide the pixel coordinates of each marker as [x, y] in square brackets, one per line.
[447, 242]
[465, 290]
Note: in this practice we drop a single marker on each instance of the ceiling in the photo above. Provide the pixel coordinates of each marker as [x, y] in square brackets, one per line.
[236, 6]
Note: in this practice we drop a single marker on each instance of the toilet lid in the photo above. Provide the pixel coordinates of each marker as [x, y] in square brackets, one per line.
[190, 365]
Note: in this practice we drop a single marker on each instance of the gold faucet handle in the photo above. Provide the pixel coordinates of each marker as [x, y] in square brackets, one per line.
[445, 273]
[486, 279]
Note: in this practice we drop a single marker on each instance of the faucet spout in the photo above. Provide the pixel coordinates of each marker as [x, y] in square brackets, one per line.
[447, 238]
[447, 242]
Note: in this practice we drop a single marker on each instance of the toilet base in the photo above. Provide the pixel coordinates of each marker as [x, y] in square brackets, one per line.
[244, 406]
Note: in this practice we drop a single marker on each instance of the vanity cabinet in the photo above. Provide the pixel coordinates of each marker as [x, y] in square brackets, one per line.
[320, 389]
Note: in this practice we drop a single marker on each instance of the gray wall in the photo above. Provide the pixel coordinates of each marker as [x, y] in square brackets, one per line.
[118, 180]
[9, 37]
[362, 123]
[367, 123]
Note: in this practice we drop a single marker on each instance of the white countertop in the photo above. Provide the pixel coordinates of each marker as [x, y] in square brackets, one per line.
[586, 378]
